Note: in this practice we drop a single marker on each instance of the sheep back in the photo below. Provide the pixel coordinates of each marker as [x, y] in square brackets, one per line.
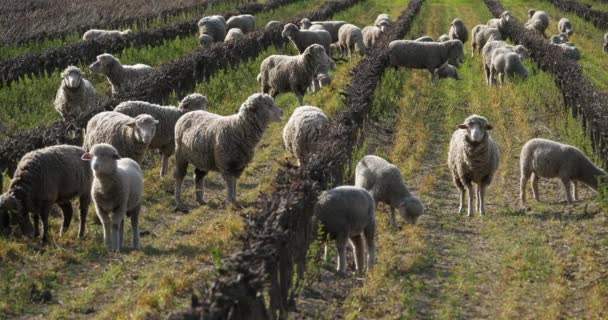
[213, 27]
[421, 55]
[303, 132]
[245, 22]
[345, 210]
[458, 31]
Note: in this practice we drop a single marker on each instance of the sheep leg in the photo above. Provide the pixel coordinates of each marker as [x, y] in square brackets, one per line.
[574, 191]
[481, 194]
[525, 176]
[300, 99]
[460, 187]
[341, 248]
[369, 233]
[492, 79]
[325, 252]
[231, 188]
[535, 192]
[473, 45]
[107, 224]
[566, 183]
[487, 70]
[36, 217]
[134, 214]
[115, 233]
[478, 198]
[165, 165]
[84, 210]
[66, 207]
[469, 188]
[357, 244]
[181, 167]
[501, 78]
[121, 233]
[391, 218]
[44, 215]
[199, 183]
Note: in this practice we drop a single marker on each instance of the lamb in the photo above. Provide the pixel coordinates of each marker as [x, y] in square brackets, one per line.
[211, 29]
[371, 35]
[425, 55]
[501, 22]
[565, 26]
[606, 42]
[350, 38]
[473, 158]
[302, 39]
[447, 71]
[279, 73]
[506, 62]
[347, 213]
[330, 26]
[443, 38]
[458, 31]
[481, 34]
[234, 34]
[130, 136]
[491, 46]
[225, 144]
[117, 192]
[120, 76]
[245, 22]
[385, 183]
[538, 21]
[99, 35]
[304, 130]
[75, 95]
[383, 21]
[164, 138]
[45, 177]
[425, 39]
[542, 158]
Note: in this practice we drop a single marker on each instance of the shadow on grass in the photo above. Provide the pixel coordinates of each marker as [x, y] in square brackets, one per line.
[181, 250]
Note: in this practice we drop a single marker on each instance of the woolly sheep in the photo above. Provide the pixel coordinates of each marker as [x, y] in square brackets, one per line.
[117, 192]
[424, 55]
[606, 42]
[330, 26]
[234, 34]
[75, 95]
[280, 73]
[226, 144]
[164, 138]
[447, 71]
[245, 22]
[491, 46]
[98, 35]
[558, 38]
[385, 183]
[443, 38]
[302, 39]
[542, 158]
[322, 77]
[481, 34]
[304, 130]
[119, 75]
[45, 177]
[425, 39]
[130, 136]
[458, 31]
[371, 34]
[565, 26]
[538, 21]
[473, 158]
[211, 29]
[347, 213]
[501, 22]
[383, 21]
[350, 39]
[506, 62]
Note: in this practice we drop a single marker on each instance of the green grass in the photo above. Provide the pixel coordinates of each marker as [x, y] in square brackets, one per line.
[597, 5]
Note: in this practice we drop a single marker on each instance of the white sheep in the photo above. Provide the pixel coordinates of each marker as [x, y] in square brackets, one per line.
[385, 183]
[322, 78]
[75, 95]
[501, 22]
[211, 29]
[447, 71]
[559, 38]
[481, 34]
[211, 142]
[234, 34]
[350, 39]
[117, 192]
[542, 158]
[371, 34]
[458, 31]
[164, 137]
[304, 131]
[506, 62]
[565, 26]
[473, 158]
[492, 45]
[425, 55]
[347, 214]
[330, 26]
[302, 39]
[383, 21]
[130, 136]
[245, 22]
[120, 76]
[538, 21]
[98, 35]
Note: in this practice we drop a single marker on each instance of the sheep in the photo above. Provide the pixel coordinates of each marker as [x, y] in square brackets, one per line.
[385, 183]
[330, 26]
[473, 158]
[447, 71]
[130, 136]
[164, 138]
[443, 38]
[371, 35]
[458, 31]
[570, 51]
[481, 34]
[347, 213]
[322, 78]
[558, 38]
[538, 21]
[350, 38]
[606, 42]
[383, 21]
[225, 144]
[542, 158]
[117, 192]
[75, 95]
[565, 26]
[304, 130]
[120, 76]
[245, 22]
[273, 25]
[279, 73]
[45, 177]
[425, 39]
[506, 62]
[501, 22]
[211, 29]
[491, 46]
[302, 39]
[234, 34]
[99, 35]
[425, 55]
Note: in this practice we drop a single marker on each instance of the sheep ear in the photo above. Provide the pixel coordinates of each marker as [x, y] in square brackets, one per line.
[463, 126]
[489, 127]
[87, 156]
[132, 124]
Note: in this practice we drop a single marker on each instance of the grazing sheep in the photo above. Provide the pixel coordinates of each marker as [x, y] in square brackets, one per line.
[458, 31]
[606, 42]
[304, 130]
[130, 136]
[565, 26]
[280, 73]
[425, 39]
[330, 26]
[164, 138]
[225, 144]
[98, 35]
[274, 25]
[211, 29]
[425, 55]
[443, 38]
[117, 192]
[302, 39]
[558, 38]
[481, 34]
[75, 95]
[119, 75]
[473, 158]
[501, 22]
[234, 34]
[383, 21]
[385, 183]
[371, 35]
[447, 71]
[45, 177]
[506, 62]
[542, 158]
[538, 21]
[348, 214]
[350, 38]
[245, 22]
[491, 46]
[322, 78]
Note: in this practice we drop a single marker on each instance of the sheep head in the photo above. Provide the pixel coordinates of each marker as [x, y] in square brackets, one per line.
[305, 24]
[205, 40]
[72, 77]
[262, 108]
[104, 64]
[456, 52]
[144, 128]
[506, 16]
[315, 56]
[194, 101]
[289, 31]
[103, 158]
[384, 25]
[522, 52]
[410, 209]
[477, 127]
[11, 207]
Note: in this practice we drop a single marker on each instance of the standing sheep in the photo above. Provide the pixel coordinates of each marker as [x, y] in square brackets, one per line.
[119, 76]
[501, 22]
[350, 38]
[225, 144]
[538, 21]
[506, 62]
[473, 158]
[424, 55]
[234, 34]
[75, 96]
[385, 183]
[565, 26]
[458, 31]
[481, 34]
[330, 26]
[164, 137]
[302, 39]
[305, 129]
[493, 45]
[99, 35]
[383, 21]
[348, 215]
[542, 158]
[211, 29]
[245, 22]
[371, 34]
[45, 177]
[130, 136]
[117, 193]
[279, 73]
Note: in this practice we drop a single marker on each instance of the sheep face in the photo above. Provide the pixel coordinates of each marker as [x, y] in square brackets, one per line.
[72, 77]
[144, 127]
[316, 55]
[506, 16]
[262, 107]
[205, 40]
[384, 26]
[305, 24]
[103, 158]
[104, 64]
[477, 127]
[324, 79]
[411, 209]
[456, 53]
[289, 31]
[11, 207]
[192, 102]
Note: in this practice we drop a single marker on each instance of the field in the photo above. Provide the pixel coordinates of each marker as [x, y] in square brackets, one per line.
[546, 261]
